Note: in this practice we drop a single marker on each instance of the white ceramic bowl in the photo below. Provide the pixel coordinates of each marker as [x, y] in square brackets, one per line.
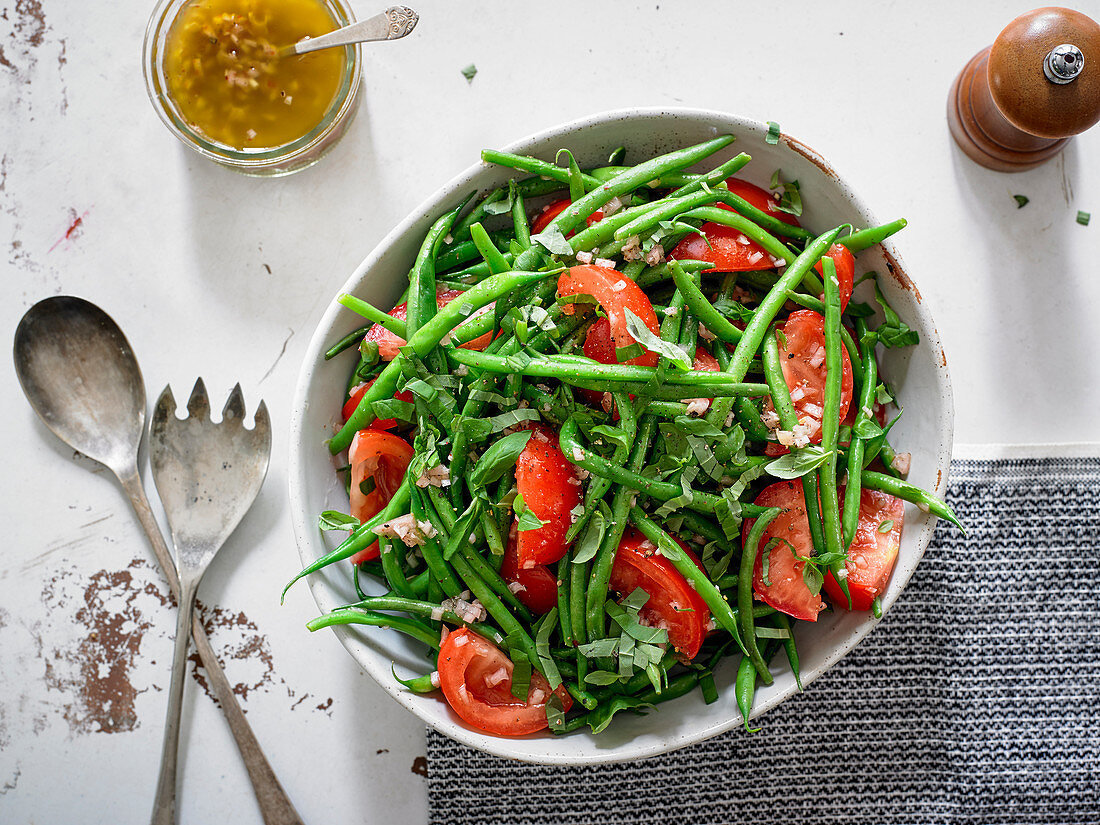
[919, 374]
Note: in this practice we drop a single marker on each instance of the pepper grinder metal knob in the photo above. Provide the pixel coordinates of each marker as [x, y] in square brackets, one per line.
[1017, 103]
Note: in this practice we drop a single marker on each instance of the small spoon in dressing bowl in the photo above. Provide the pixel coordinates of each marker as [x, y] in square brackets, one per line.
[392, 24]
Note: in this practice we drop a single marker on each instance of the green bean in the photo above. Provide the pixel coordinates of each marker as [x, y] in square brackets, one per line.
[353, 338]
[704, 310]
[422, 304]
[846, 338]
[478, 213]
[574, 368]
[344, 616]
[361, 537]
[605, 557]
[499, 612]
[773, 302]
[857, 444]
[575, 214]
[535, 166]
[745, 689]
[908, 492]
[391, 568]
[493, 257]
[788, 419]
[423, 341]
[372, 313]
[432, 552]
[663, 272]
[790, 647]
[865, 238]
[598, 487]
[425, 610]
[715, 177]
[744, 592]
[720, 608]
[830, 426]
[520, 227]
[662, 210]
[766, 240]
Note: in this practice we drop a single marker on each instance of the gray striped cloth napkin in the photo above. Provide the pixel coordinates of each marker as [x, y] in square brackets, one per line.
[976, 700]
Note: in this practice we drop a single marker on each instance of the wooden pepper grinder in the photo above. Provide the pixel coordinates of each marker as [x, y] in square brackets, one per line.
[1017, 102]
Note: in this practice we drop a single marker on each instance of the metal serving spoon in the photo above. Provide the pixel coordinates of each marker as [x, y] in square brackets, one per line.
[81, 377]
[392, 24]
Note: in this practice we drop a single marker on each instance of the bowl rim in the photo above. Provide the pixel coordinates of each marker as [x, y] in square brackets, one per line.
[724, 122]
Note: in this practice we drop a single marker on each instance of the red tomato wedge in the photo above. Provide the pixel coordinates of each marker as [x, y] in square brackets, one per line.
[845, 272]
[539, 583]
[382, 459]
[555, 208]
[802, 357]
[873, 553]
[550, 490]
[673, 602]
[389, 344]
[379, 423]
[476, 679]
[615, 293]
[730, 250]
[785, 589]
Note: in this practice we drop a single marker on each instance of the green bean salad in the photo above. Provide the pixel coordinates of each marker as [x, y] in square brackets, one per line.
[625, 422]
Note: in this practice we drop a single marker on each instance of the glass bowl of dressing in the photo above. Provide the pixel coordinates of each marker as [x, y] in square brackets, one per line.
[216, 80]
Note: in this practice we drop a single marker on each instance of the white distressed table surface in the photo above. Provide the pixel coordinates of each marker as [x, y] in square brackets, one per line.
[215, 274]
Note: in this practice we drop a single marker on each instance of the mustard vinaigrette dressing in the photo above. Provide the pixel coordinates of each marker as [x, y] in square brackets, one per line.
[222, 70]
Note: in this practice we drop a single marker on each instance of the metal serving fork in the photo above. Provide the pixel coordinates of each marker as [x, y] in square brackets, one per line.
[207, 476]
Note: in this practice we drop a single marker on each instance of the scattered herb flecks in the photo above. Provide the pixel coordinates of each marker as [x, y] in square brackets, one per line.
[773, 133]
[1083, 217]
[1021, 201]
[469, 73]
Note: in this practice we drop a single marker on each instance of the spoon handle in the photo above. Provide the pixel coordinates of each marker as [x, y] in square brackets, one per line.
[392, 24]
[275, 806]
[164, 805]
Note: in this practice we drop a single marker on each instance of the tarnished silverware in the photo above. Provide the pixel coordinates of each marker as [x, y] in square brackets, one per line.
[207, 476]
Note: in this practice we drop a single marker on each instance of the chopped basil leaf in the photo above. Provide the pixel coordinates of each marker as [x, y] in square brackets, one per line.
[367, 485]
[469, 73]
[499, 458]
[876, 607]
[774, 183]
[1021, 201]
[589, 542]
[601, 677]
[599, 648]
[525, 519]
[1083, 217]
[764, 632]
[335, 520]
[866, 428]
[886, 526]
[894, 332]
[813, 578]
[555, 712]
[773, 133]
[791, 199]
[641, 333]
[600, 717]
[798, 462]
[542, 647]
[553, 241]
[521, 674]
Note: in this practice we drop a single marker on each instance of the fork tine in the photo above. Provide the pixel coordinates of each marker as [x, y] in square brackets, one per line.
[262, 426]
[198, 405]
[165, 407]
[234, 406]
